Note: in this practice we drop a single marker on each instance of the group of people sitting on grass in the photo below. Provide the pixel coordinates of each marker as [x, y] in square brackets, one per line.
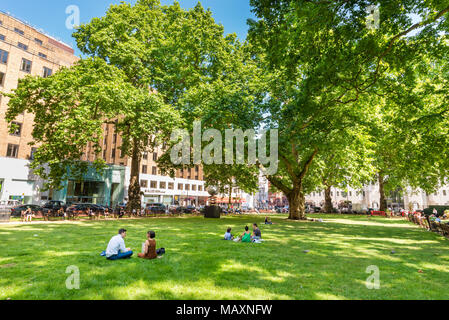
[117, 250]
[245, 237]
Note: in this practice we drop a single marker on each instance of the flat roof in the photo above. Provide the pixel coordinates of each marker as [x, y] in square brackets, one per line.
[39, 30]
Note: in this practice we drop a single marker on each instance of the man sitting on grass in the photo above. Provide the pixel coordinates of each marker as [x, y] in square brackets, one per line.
[116, 247]
[257, 234]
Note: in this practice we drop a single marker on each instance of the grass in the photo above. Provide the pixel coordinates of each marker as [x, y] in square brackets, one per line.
[199, 265]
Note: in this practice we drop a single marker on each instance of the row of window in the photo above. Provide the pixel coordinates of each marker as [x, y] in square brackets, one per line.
[343, 194]
[145, 156]
[13, 151]
[170, 185]
[25, 66]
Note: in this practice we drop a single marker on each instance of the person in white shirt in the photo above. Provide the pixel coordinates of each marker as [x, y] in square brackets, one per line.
[116, 248]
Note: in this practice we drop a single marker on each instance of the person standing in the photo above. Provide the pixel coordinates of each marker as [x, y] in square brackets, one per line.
[116, 248]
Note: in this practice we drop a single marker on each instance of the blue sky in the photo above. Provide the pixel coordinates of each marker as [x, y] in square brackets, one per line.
[50, 15]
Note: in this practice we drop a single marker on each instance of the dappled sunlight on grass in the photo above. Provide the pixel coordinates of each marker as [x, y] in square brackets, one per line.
[298, 260]
[371, 223]
[327, 296]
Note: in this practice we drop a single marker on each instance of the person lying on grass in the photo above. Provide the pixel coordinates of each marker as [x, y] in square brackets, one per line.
[150, 251]
[116, 247]
[228, 235]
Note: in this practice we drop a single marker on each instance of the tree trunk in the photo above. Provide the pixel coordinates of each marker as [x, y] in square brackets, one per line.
[383, 201]
[134, 193]
[328, 207]
[297, 203]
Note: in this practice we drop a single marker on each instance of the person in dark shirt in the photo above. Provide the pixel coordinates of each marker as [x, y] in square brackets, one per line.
[257, 234]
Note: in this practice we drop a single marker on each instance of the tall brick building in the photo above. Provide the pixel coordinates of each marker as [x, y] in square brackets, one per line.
[26, 51]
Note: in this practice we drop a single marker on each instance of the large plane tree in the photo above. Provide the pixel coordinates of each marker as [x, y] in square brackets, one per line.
[323, 57]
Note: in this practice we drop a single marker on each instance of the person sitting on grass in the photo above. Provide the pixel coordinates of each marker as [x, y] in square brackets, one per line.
[257, 234]
[116, 247]
[228, 235]
[150, 251]
[246, 236]
[268, 221]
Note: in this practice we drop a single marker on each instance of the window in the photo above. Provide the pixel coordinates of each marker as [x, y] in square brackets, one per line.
[18, 131]
[180, 186]
[153, 185]
[104, 155]
[42, 55]
[162, 185]
[113, 153]
[444, 192]
[193, 187]
[13, 151]
[114, 139]
[197, 178]
[2, 37]
[154, 171]
[38, 41]
[145, 155]
[2, 78]
[3, 56]
[200, 188]
[33, 151]
[144, 184]
[23, 46]
[47, 72]
[144, 169]
[197, 168]
[187, 187]
[155, 156]
[19, 31]
[171, 185]
[26, 65]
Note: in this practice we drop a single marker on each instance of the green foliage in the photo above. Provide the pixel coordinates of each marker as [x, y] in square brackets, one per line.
[324, 64]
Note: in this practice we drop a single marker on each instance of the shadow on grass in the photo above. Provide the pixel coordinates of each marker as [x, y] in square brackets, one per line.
[199, 265]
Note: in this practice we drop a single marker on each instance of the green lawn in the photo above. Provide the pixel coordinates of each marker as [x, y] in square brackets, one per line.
[199, 265]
